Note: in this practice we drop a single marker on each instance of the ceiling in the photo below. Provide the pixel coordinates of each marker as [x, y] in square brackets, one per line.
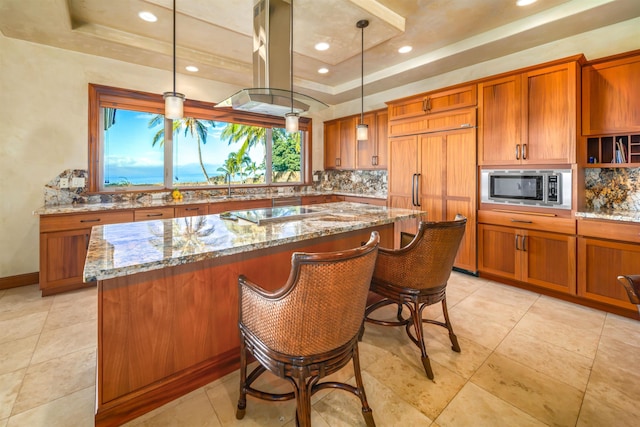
[216, 35]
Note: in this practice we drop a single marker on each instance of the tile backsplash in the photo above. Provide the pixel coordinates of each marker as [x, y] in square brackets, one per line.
[613, 188]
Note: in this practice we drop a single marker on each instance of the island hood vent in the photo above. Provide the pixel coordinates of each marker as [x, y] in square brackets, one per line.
[271, 66]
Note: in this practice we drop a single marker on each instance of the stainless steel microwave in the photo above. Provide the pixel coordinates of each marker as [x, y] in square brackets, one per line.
[542, 188]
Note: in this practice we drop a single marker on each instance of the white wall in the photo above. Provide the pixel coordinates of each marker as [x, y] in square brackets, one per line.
[43, 115]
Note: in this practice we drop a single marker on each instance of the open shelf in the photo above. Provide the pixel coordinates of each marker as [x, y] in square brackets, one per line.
[602, 151]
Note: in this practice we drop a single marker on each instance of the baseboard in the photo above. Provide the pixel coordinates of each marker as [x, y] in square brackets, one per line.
[19, 280]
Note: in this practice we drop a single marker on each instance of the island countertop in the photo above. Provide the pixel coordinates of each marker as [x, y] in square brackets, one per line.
[117, 250]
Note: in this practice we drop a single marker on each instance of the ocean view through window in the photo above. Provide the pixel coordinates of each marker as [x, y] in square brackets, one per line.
[140, 150]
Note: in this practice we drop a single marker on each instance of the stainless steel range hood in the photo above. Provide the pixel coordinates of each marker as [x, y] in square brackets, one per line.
[271, 66]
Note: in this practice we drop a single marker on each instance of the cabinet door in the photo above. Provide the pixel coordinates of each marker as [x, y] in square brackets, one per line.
[497, 253]
[451, 99]
[550, 116]
[549, 260]
[500, 121]
[347, 143]
[403, 167]
[382, 141]
[331, 144]
[600, 263]
[366, 149]
[610, 101]
[433, 170]
[152, 213]
[62, 257]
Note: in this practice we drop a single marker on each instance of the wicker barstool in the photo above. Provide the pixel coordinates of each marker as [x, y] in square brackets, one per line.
[415, 276]
[631, 284]
[309, 328]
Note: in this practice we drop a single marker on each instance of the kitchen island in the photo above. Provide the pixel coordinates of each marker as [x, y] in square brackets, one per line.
[167, 292]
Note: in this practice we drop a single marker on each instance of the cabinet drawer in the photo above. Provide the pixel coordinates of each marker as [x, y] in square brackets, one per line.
[50, 223]
[610, 230]
[193, 210]
[528, 221]
[458, 119]
[155, 213]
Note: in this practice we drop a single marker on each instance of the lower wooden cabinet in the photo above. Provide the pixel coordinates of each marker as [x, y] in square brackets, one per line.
[63, 247]
[190, 210]
[607, 249]
[539, 251]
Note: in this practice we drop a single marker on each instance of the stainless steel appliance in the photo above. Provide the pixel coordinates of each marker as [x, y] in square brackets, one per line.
[541, 188]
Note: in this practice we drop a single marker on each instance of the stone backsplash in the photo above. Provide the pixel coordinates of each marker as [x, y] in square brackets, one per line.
[612, 188]
[371, 183]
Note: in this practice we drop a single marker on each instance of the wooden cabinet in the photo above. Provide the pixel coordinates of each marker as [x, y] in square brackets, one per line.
[324, 198]
[63, 247]
[433, 102]
[343, 151]
[455, 119]
[238, 205]
[436, 173]
[610, 100]
[519, 247]
[190, 210]
[600, 151]
[340, 143]
[372, 152]
[148, 214]
[530, 117]
[607, 249]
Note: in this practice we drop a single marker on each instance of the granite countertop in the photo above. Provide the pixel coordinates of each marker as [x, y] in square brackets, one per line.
[149, 202]
[610, 214]
[122, 249]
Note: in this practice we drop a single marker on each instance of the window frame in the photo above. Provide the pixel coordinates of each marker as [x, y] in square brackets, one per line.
[111, 97]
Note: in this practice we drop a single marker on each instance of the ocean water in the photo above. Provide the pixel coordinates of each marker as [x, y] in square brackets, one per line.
[154, 175]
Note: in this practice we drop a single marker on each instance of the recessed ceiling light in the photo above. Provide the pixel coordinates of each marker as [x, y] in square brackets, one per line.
[191, 68]
[147, 16]
[405, 49]
[525, 2]
[323, 70]
[322, 46]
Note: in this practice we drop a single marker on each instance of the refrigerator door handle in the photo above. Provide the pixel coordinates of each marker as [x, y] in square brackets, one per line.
[418, 189]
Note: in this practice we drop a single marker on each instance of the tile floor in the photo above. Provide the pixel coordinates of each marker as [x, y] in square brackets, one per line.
[526, 360]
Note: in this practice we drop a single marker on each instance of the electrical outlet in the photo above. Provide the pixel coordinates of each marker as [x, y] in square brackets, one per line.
[316, 178]
[77, 182]
[64, 183]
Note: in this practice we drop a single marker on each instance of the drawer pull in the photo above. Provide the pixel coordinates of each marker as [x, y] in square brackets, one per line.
[524, 221]
[192, 209]
[153, 214]
[90, 220]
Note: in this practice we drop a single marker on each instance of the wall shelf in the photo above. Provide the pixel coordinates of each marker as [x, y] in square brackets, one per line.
[601, 151]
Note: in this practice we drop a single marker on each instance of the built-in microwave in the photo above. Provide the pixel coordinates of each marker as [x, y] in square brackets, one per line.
[543, 188]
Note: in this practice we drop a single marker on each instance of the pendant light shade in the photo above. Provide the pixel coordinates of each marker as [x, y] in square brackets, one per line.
[291, 118]
[173, 101]
[362, 130]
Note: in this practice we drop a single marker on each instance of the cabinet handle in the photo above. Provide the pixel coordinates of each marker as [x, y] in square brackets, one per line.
[526, 221]
[192, 209]
[524, 151]
[466, 125]
[517, 151]
[429, 104]
[86, 241]
[418, 175]
[374, 160]
[153, 215]
[517, 246]
[424, 105]
[337, 161]
[413, 189]
[90, 220]
[524, 243]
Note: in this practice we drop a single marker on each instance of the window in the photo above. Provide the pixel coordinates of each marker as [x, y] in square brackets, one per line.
[132, 147]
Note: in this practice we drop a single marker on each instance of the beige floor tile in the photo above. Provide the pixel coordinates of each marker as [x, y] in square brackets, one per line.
[3, 423]
[472, 355]
[17, 354]
[56, 378]
[621, 329]
[75, 409]
[23, 300]
[567, 325]
[75, 307]
[598, 410]
[69, 339]
[22, 326]
[477, 328]
[193, 409]
[569, 367]
[410, 382]
[540, 396]
[475, 407]
[10, 384]
[389, 409]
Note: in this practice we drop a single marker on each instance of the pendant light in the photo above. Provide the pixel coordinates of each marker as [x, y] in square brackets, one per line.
[173, 101]
[291, 118]
[362, 130]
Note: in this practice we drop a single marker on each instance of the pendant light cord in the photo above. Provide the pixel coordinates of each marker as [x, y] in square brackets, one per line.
[174, 47]
[290, 50]
[361, 76]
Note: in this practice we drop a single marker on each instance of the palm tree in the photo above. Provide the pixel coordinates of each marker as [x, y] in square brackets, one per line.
[250, 136]
[196, 128]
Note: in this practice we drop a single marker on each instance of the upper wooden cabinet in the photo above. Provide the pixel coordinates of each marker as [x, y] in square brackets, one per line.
[530, 117]
[343, 151]
[611, 96]
[431, 103]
